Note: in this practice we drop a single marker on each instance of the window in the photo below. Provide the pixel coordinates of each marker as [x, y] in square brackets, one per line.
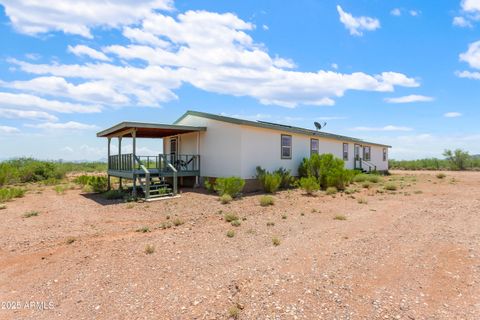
[384, 154]
[314, 147]
[286, 146]
[357, 152]
[345, 151]
[366, 153]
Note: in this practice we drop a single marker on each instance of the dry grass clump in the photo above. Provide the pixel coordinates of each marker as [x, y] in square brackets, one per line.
[149, 249]
[441, 175]
[143, 230]
[236, 223]
[340, 217]
[390, 186]
[229, 217]
[30, 214]
[275, 241]
[177, 222]
[266, 201]
[226, 198]
[362, 201]
[70, 240]
[331, 191]
[230, 233]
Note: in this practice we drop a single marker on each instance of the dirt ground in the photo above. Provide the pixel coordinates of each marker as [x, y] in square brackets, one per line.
[409, 254]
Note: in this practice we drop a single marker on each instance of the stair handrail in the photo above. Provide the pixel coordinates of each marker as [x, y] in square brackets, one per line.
[370, 165]
[147, 177]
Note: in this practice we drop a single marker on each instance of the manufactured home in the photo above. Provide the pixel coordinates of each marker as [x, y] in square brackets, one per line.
[201, 145]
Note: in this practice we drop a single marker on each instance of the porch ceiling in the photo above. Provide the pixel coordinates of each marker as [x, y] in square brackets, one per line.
[146, 130]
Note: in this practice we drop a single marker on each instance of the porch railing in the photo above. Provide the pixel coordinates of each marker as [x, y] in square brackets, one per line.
[162, 162]
[123, 162]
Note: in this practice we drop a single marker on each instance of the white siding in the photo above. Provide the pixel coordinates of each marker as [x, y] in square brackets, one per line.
[220, 146]
[228, 149]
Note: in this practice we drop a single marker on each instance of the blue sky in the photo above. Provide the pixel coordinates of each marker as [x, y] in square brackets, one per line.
[405, 73]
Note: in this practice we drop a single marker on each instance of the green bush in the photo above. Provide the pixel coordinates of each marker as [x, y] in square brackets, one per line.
[286, 178]
[30, 170]
[309, 184]
[441, 175]
[209, 185]
[327, 169]
[96, 183]
[232, 186]
[10, 193]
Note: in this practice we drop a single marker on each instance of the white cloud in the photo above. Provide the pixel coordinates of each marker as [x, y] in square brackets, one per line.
[334, 66]
[26, 114]
[357, 24]
[462, 22]
[71, 125]
[452, 114]
[265, 27]
[472, 55]
[330, 118]
[22, 100]
[207, 50]
[414, 13]
[396, 12]
[81, 50]
[385, 128]
[99, 91]
[8, 130]
[468, 75]
[470, 5]
[79, 16]
[409, 99]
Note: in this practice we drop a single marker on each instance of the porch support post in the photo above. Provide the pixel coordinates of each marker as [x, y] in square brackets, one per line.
[134, 149]
[108, 165]
[197, 184]
[120, 162]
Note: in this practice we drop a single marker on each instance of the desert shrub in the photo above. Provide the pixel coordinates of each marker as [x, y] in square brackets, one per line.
[269, 181]
[177, 222]
[362, 201]
[331, 191]
[286, 178]
[232, 186]
[350, 190]
[441, 175]
[10, 193]
[390, 186]
[113, 195]
[149, 249]
[233, 312]
[226, 198]
[275, 241]
[60, 189]
[366, 184]
[458, 158]
[143, 230]
[309, 184]
[97, 183]
[327, 169]
[230, 233]
[340, 217]
[209, 185]
[3, 206]
[236, 223]
[30, 170]
[70, 240]
[339, 178]
[266, 201]
[30, 214]
[229, 217]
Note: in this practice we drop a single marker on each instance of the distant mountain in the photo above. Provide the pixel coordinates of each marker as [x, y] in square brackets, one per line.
[476, 156]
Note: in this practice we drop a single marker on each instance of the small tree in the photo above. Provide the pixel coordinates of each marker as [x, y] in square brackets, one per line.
[458, 158]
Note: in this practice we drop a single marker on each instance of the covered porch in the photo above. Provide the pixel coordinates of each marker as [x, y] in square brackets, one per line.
[149, 173]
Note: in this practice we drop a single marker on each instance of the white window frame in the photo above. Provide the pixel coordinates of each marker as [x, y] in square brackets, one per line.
[312, 150]
[345, 152]
[367, 156]
[282, 147]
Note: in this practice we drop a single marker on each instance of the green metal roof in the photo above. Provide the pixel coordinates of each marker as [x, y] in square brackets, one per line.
[276, 126]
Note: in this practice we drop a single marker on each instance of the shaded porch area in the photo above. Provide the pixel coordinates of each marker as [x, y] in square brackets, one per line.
[155, 176]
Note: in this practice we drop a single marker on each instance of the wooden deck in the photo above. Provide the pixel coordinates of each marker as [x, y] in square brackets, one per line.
[143, 169]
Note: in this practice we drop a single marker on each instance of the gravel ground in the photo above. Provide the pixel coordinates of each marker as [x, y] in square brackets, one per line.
[409, 254]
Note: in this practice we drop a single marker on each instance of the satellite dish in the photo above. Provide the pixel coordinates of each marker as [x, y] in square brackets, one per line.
[319, 126]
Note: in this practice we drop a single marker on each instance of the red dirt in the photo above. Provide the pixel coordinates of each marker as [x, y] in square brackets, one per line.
[403, 255]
